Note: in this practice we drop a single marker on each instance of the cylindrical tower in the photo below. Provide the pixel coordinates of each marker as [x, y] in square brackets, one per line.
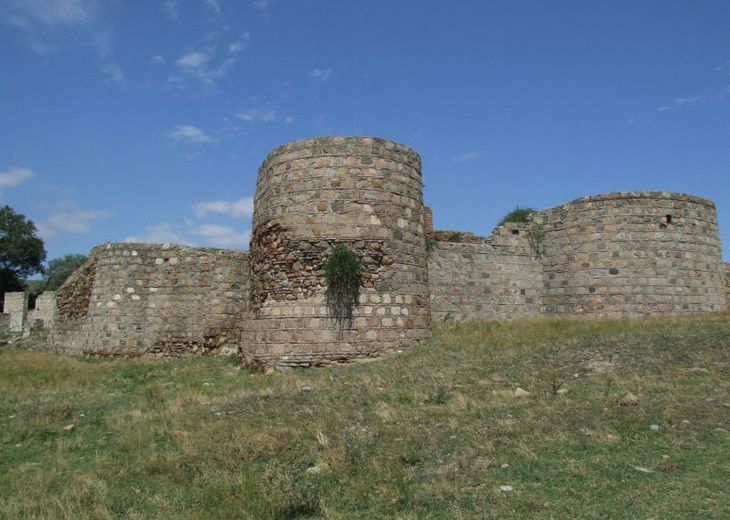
[362, 192]
[630, 254]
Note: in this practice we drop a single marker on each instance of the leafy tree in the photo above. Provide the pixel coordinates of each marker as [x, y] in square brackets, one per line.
[59, 269]
[21, 250]
[517, 215]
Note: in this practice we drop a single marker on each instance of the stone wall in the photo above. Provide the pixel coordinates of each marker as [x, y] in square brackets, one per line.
[135, 299]
[498, 279]
[4, 322]
[629, 254]
[43, 314]
[16, 306]
[365, 193]
[726, 267]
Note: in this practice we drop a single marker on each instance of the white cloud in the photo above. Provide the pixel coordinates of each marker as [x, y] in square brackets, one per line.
[663, 108]
[257, 114]
[76, 221]
[159, 234]
[158, 59]
[288, 119]
[468, 156]
[170, 10]
[261, 5]
[320, 74]
[14, 176]
[234, 208]
[190, 134]
[193, 60]
[222, 235]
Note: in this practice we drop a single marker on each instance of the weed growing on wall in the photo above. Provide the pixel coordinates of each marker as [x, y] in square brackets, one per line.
[343, 271]
[517, 215]
[536, 238]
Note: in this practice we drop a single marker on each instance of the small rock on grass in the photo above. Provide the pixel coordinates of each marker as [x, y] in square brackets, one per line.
[521, 393]
[642, 469]
[654, 427]
[629, 400]
[506, 489]
[562, 391]
[69, 427]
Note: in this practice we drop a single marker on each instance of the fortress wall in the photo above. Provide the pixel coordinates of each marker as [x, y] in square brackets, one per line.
[43, 314]
[365, 193]
[16, 306]
[498, 279]
[726, 267]
[636, 253]
[151, 299]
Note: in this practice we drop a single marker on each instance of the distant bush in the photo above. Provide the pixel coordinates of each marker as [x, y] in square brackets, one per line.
[517, 215]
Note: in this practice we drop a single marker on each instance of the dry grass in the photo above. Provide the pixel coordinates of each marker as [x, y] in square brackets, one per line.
[420, 435]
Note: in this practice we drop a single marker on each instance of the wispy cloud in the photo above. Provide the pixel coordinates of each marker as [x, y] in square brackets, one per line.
[190, 134]
[158, 59]
[13, 177]
[213, 5]
[321, 75]
[206, 67]
[51, 26]
[264, 115]
[242, 207]
[468, 156]
[261, 5]
[76, 222]
[224, 236]
[170, 9]
[663, 108]
[723, 67]
[160, 234]
[686, 101]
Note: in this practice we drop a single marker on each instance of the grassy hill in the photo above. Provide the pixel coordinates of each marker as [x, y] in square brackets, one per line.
[432, 433]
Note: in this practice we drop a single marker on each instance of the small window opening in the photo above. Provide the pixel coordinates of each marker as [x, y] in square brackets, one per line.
[669, 219]
[32, 297]
[515, 231]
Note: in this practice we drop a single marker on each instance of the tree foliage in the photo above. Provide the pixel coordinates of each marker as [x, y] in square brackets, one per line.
[21, 250]
[59, 269]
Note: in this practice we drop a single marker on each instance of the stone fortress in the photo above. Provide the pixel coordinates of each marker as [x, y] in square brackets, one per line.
[611, 255]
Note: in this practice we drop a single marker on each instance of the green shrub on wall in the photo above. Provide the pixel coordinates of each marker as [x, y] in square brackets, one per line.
[343, 272]
[517, 215]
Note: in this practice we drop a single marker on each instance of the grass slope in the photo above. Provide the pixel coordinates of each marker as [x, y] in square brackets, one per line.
[421, 435]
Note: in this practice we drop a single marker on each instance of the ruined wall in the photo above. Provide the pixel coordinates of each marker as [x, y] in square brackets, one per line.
[43, 314]
[636, 253]
[726, 267]
[135, 299]
[16, 306]
[4, 322]
[498, 279]
[365, 193]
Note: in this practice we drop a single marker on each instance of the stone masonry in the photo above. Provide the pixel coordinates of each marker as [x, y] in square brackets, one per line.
[365, 193]
[135, 299]
[617, 254]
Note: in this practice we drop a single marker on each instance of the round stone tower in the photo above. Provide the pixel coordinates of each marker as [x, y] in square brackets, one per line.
[632, 253]
[362, 192]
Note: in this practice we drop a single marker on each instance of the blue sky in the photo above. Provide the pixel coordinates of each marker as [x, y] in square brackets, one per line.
[148, 120]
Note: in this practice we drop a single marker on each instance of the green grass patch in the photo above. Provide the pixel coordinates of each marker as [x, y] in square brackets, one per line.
[430, 433]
